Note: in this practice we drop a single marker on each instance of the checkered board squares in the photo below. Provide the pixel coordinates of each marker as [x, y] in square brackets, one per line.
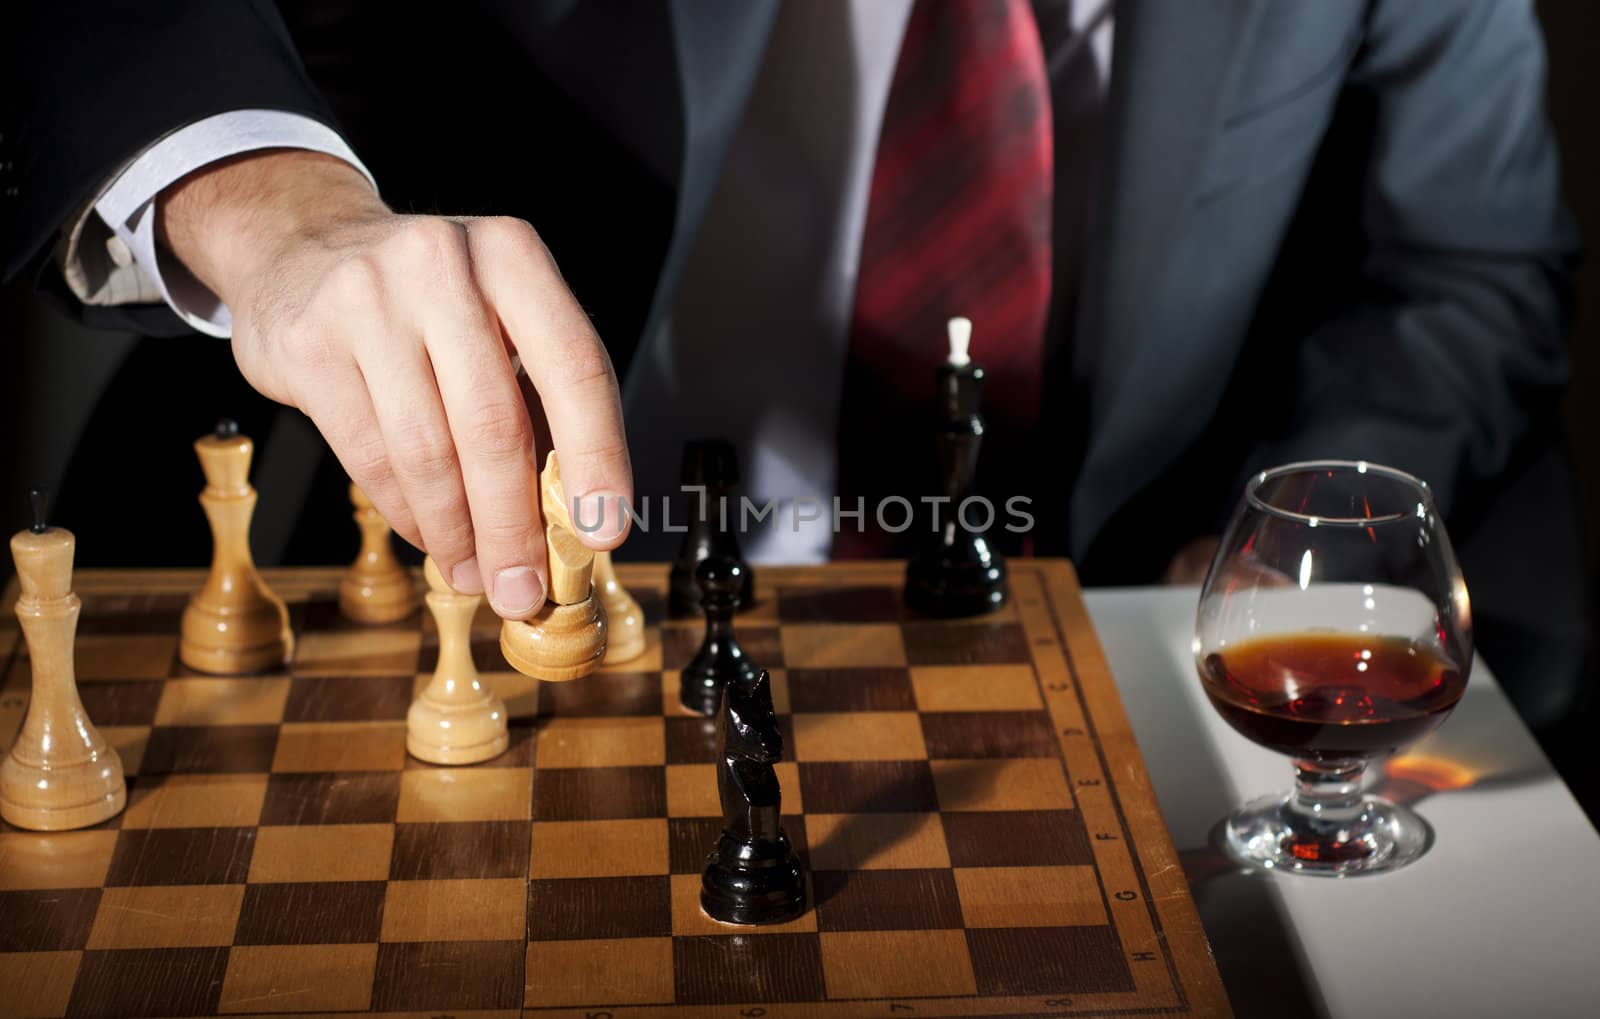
[949, 783]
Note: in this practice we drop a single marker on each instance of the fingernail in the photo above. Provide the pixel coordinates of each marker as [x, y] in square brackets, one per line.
[599, 516]
[465, 578]
[517, 592]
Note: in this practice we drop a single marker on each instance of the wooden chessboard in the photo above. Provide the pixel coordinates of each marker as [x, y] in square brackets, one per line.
[981, 832]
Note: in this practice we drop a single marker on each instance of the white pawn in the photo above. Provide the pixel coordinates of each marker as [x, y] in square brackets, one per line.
[60, 773]
[456, 719]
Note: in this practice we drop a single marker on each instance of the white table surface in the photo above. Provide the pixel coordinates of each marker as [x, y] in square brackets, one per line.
[1500, 918]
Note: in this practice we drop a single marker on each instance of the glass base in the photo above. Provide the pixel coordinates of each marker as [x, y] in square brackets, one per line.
[1372, 837]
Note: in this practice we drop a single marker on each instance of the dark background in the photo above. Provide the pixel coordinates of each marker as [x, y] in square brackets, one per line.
[40, 423]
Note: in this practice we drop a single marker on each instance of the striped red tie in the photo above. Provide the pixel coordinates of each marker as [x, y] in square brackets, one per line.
[958, 223]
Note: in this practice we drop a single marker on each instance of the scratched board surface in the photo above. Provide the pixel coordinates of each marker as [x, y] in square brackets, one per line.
[980, 830]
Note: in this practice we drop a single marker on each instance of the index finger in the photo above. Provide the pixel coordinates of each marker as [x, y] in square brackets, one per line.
[569, 367]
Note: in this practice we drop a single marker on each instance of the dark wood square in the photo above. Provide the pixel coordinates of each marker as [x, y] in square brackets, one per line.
[1016, 838]
[107, 613]
[866, 787]
[438, 975]
[872, 689]
[884, 900]
[598, 794]
[691, 740]
[324, 913]
[460, 849]
[121, 702]
[734, 969]
[942, 643]
[181, 856]
[55, 920]
[966, 734]
[1047, 960]
[586, 908]
[607, 694]
[840, 605]
[338, 797]
[129, 983]
[761, 643]
[216, 749]
[349, 699]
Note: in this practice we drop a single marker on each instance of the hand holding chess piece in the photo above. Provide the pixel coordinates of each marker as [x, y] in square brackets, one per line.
[753, 876]
[376, 589]
[234, 624]
[566, 638]
[958, 574]
[60, 773]
[456, 719]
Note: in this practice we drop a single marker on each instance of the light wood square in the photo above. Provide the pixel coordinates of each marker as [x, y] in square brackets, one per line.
[599, 848]
[689, 919]
[876, 841]
[976, 688]
[364, 652]
[836, 645]
[648, 660]
[1030, 896]
[125, 656]
[859, 736]
[174, 916]
[340, 746]
[332, 852]
[198, 801]
[692, 789]
[622, 971]
[129, 741]
[881, 964]
[601, 742]
[520, 693]
[248, 701]
[457, 910]
[37, 984]
[1035, 783]
[298, 978]
[463, 794]
[68, 859]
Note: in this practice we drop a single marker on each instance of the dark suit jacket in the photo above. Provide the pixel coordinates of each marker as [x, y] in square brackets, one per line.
[1325, 227]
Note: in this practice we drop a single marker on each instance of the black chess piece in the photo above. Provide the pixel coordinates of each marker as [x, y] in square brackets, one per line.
[753, 876]
[709, 473]
[720, 660]
[958, 573]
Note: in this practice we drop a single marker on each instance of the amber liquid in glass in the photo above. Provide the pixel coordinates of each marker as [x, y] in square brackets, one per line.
[1332, 696]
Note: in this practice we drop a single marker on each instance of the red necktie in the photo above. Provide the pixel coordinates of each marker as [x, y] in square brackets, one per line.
[958, 223]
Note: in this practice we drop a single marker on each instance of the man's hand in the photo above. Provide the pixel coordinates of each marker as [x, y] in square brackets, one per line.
[394, 334]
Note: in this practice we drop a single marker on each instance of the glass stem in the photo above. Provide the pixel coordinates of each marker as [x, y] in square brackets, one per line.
[1327, 796]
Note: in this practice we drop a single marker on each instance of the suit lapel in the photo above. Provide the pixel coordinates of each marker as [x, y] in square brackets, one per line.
[1174, 68]
[720, 46]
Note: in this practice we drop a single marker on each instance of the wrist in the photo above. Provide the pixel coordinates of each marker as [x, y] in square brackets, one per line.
[229, 222]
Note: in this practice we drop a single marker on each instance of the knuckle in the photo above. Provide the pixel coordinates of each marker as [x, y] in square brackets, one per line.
[450, 536]
[501, 429]
[430, 241]
[356, 282]
[508, 231]
[583, 362]
[424, 455]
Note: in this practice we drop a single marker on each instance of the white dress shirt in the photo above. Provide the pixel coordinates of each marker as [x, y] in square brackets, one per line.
[754, 347]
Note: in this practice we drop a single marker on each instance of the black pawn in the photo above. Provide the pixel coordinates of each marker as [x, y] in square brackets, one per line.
[753, 876]
[958, 573]
[720, 660]
[708, 464]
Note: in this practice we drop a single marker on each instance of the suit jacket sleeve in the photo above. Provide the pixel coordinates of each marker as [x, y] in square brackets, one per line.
[92, 84]
[1459, 343]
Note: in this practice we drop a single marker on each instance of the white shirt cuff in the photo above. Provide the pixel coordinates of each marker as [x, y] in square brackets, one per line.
[131, 268]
